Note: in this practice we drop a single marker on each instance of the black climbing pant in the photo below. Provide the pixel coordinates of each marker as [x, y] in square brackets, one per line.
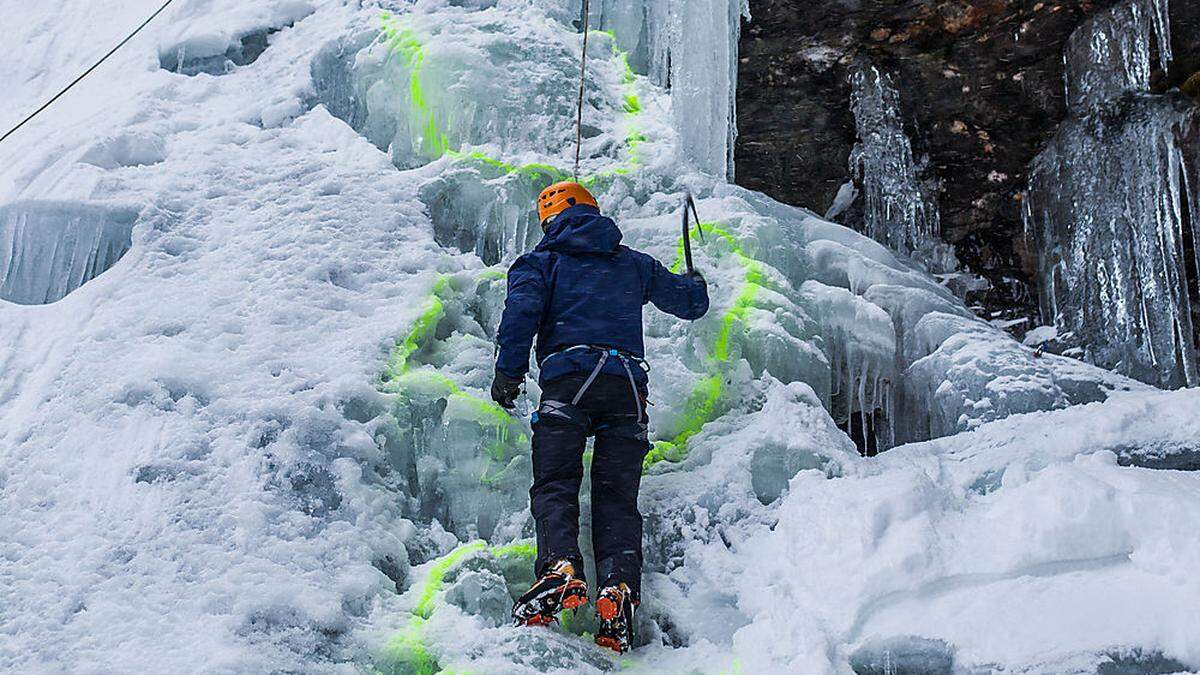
[608, 411]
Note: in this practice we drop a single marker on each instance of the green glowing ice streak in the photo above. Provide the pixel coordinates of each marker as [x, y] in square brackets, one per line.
[399, 376]
[407, 651]
[437, 576]
[735, 669]
[403, 41]
[420, 334]
[704, 403]
[532, 171]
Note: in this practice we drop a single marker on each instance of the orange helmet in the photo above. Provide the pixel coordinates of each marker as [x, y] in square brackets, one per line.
[560, 197]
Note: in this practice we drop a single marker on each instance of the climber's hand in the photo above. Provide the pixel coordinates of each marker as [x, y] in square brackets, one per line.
[505, 390]
[696, 276]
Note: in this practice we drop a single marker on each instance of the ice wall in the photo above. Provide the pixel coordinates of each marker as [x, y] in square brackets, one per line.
[898, 210]
[49, 249]
[1112, 204]
[691, 49]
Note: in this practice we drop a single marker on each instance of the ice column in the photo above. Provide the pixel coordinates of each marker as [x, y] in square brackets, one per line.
[897, 210]
[1112, 203]
[1111, 54]
[692, 48]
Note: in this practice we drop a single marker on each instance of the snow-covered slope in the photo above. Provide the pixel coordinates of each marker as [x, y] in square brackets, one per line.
[260, 439]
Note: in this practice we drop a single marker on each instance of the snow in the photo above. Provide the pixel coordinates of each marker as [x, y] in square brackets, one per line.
[1040, 335]
[260, 440]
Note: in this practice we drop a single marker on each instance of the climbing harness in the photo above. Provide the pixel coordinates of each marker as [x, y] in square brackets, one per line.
[87, 72]
[689, 203]
[605, 353]
[582, 78]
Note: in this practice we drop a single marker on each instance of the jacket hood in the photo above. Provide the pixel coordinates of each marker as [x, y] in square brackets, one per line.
[581, 229]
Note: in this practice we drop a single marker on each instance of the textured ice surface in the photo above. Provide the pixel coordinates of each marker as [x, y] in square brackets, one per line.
[1112, 203]
[49, 249]
[263, 441]
[903, 656]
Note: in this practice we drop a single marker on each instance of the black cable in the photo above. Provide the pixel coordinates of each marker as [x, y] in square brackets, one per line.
[87, 72]
[582, 81]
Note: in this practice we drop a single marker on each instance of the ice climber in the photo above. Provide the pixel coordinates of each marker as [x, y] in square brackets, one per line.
[580, 292]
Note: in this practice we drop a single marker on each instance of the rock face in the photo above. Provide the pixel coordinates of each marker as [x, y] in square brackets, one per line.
[981, 94]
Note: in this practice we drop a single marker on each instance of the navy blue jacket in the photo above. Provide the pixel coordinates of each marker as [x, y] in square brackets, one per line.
[579, 286]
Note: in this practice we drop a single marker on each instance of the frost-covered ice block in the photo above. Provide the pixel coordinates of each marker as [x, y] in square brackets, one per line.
[964, 373]
[197, 58]
[482, 206]
[213, 39]
[1113, 202]
[434, 84]
[49, 249]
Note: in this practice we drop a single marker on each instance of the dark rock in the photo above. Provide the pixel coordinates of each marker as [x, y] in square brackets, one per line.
[1173, 457]
[981, 90]
[1139, 662]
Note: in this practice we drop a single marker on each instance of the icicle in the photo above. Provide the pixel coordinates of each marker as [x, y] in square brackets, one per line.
[691, 48]
[864, 409]
[897, 212]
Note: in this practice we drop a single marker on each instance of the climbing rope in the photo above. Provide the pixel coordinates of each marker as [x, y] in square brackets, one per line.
[582, 76]
[87, 72]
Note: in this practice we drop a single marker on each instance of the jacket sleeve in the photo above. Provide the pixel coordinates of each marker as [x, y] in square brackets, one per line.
[521, 319]
[680, 295]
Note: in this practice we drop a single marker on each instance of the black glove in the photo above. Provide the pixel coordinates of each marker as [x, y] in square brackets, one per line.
[505, 390]
[696, 276]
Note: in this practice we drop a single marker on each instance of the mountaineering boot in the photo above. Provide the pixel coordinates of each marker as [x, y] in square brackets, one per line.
[558, 588]
[615, 608]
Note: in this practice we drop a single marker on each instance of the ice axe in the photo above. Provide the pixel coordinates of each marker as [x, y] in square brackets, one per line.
[689, 204]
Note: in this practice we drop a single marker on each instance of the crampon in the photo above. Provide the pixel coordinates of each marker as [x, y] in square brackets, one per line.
[615, 607]
[556, 590]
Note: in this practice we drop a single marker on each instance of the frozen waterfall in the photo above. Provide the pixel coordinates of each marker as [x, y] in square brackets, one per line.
[267, 443]
[1113, 201]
